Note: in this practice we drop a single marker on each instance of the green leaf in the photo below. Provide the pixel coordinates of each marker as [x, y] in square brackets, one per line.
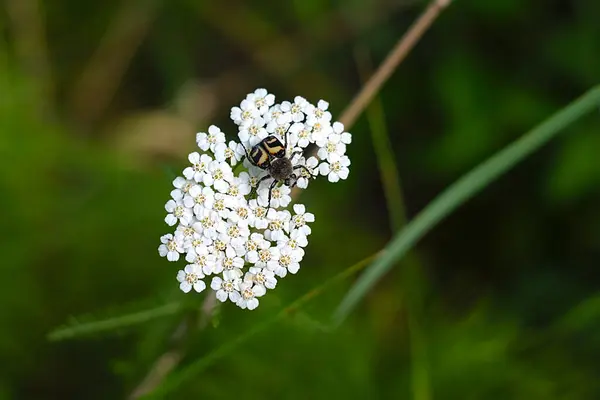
[78, 329]
[461, 191]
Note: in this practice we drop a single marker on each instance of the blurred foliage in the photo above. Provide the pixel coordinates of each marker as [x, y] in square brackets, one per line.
[100, 100]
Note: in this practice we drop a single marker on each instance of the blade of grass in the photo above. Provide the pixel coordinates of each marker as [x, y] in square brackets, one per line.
[411, 279]
[111, 324]
[461, 191]
[176, 379]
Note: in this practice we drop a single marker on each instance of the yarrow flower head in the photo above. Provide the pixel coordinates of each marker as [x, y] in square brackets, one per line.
[232, 210]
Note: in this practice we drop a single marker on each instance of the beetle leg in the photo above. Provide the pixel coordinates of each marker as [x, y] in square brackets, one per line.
[255, 189]
[247, 155]
[270, 192]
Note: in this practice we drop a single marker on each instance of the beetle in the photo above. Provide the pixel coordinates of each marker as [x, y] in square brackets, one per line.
[271, 155]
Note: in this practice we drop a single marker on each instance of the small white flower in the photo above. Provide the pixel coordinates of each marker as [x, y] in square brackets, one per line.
[223, 204]
[170, 247]
[295, 109]
[230, 231]
[202, 258]
[289, 261]
[301, 218]
[240, 185]
[267, 256]
[234, 152]
[199, 198]
[244, 114]
[305, 177]
[296, 241]
[186, 234]
[336, 169]
[261, 277]
[320, 132]
[211, 139]
[241, 214]
[333, 145]
[231, 264]
[280, 196]
[191, 277]
[253, 133]
[345, 137]
[199, 166]
[278, 224]
[182, 187]
[300, 135]
[248, 298]
[226, 289]
[279, 125]
[250, 246]
[177, 211]
[262, 100]
[318, 114]
[259, 213]
[209, 220]
[219, 175]
[273, 113]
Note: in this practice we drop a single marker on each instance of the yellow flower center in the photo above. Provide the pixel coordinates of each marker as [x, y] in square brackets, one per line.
[251, 245]
[198, 167]
[295, 109]
[201, 198]
[260, 102]
[220, 245]
[336, 166]
[319, 113]
[178, 212]
[260, 278]
[200, 260]
[260, 212]
[218, 174]
[171, 245]
[227, 286]
[191, 278]
[233, 231]
[247, 293]
[219, 205]
[242, 212]
[246, 115]
[264, 255]
[285, 260]
[275, 225]
[299, 220]
[233, 190]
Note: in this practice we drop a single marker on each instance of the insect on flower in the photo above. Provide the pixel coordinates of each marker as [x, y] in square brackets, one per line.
[229, 239]
[272, 156]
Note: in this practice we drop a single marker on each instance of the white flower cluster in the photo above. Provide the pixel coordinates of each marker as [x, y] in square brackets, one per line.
[222, 227]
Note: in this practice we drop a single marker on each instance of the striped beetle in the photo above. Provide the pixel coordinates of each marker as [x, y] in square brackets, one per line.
[271, 155]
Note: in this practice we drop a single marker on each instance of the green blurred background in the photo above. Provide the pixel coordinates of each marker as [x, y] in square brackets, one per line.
[100, 101]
